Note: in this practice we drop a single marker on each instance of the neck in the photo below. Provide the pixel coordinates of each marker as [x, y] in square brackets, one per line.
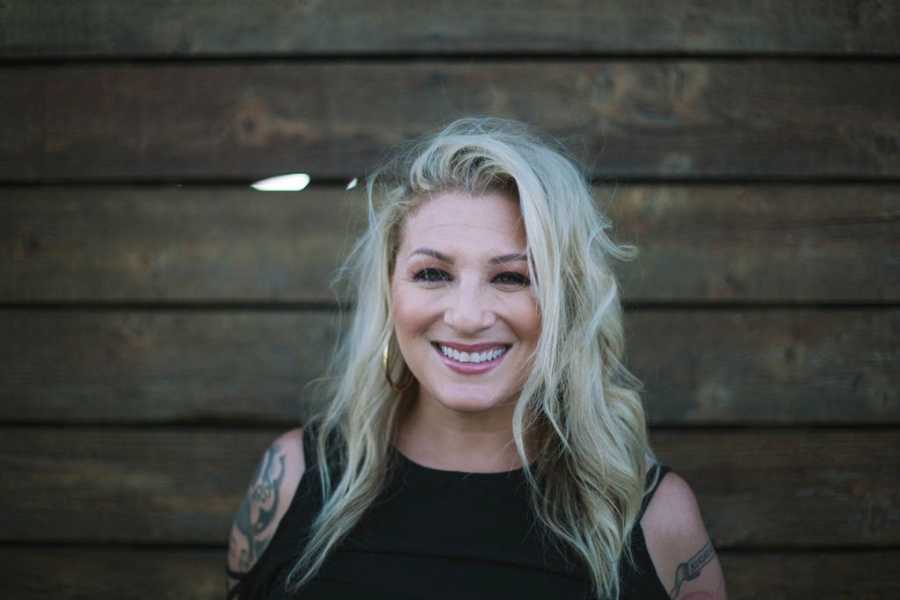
[455, 441]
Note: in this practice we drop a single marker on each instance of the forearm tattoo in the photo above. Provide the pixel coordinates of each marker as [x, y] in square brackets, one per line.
[689, 570]
[260, 505]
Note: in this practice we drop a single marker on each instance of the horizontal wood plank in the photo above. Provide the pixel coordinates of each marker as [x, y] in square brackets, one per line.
[741, 366]
[151, 244]
[169, 28]
[809, 576]
[640, 118]
[788, 488]
[151, 366]
[767, 366]
[766, 243]
[115, 573]
[31, 573]
[698, 243]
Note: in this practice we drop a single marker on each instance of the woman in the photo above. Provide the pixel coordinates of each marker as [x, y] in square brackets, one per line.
[481, 437]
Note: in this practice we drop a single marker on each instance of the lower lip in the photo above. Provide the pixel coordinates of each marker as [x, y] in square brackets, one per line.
[470, 368]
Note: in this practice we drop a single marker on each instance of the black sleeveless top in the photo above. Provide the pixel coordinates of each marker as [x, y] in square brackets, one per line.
[438, 534]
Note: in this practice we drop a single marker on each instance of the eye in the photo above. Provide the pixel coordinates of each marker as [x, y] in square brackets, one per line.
[431, 275]
[514, 278]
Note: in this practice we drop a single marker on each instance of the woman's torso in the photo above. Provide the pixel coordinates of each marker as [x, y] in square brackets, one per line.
[438, 534]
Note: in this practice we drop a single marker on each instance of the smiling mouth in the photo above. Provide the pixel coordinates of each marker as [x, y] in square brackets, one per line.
[492, 357]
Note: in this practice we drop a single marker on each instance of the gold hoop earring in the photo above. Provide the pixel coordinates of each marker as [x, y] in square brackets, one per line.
[387, 372]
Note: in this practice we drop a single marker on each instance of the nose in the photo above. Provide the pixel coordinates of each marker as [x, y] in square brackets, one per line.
[467, 311]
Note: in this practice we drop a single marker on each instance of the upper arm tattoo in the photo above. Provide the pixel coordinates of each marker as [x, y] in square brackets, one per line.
[689, 570]
[259, 508]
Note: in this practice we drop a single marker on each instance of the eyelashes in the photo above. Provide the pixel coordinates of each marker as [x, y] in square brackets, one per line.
[432, 275]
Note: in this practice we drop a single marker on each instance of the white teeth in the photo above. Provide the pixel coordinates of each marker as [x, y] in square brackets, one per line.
[475, 357]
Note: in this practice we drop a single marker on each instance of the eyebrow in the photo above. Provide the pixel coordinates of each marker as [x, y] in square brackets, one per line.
[497, 260]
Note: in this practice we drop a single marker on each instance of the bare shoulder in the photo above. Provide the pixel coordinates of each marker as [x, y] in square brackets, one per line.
[271, 489]
[679, 544]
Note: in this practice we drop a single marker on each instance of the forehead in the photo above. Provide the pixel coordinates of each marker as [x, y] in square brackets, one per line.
[486, 219]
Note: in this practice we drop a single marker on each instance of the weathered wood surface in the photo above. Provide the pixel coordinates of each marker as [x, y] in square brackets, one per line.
[766, 366]
[698, 243]
[728, 366]
[169, 244]
[795, 243]
[807, 576]
[151, 573]
[140, 367]
[107, 28]
[113, 573]
[757, 489]
[635, 118]
[658, 90]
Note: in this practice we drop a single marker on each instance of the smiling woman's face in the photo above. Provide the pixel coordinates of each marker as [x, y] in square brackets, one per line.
[461, 279]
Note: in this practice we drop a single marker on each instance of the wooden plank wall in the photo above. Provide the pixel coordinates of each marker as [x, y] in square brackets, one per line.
[159, 320]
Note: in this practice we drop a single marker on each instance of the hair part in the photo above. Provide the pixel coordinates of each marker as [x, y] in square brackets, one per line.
[580, 404]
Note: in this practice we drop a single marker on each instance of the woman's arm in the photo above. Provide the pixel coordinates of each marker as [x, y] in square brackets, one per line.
[267, 499]
[679, 545]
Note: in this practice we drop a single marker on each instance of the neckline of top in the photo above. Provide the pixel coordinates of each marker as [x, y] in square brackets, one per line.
[452, 474]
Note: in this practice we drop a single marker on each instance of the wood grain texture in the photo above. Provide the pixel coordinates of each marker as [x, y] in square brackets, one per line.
[729, 366]
[636, 118]
[142, 485]
[767, 366]
[151, 366]
[757, 489]
[170, 28]
[186, 326]
[149, 244]
[759, 242]
[113, 572]
[697, 243]
[809, 576]
[150, 573]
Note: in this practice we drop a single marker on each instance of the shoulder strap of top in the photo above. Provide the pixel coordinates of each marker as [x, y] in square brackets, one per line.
[652, 484]
[309, 447]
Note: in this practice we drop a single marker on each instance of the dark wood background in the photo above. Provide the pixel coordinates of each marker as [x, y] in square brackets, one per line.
[160, 321]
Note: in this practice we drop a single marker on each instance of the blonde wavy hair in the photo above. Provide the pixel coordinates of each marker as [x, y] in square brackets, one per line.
[580, 402]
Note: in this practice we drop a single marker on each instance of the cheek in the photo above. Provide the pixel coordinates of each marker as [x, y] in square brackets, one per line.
[527, 320]
[409, 309]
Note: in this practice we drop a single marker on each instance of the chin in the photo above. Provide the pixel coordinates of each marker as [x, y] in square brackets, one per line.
[473, 402]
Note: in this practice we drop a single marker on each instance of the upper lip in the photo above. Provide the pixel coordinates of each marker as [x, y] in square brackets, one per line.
[472, 347]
